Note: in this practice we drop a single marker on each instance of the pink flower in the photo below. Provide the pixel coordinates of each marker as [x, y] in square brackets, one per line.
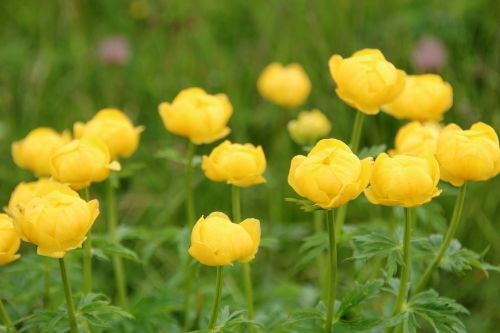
[429, 54]
[114, 51]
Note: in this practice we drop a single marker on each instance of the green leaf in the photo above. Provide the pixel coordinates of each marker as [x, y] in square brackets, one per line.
[372, 151]
[311, 248]
[305, 205]
[358, 294]
[356, 325]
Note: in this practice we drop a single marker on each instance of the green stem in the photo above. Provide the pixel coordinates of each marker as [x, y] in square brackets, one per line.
[117, 260]
[6, 319]
[69, 298]
[247, 269]
[47, 281]
[450, 233]
[404, 278]
[87, 253]
[332, 272]
[190, 217]
[321, 260]
[217, 297]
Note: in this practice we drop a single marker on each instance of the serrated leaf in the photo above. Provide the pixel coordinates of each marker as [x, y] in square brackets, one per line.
[356, 325]
[305, 205]
[311, 248]
[110, 249]
[372, 151]
[358, 294]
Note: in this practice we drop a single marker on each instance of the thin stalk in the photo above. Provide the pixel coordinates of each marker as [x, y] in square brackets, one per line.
[247, 269]
[87, 253]
[47, 281]
[117, 260]
[404, 278]
[217, 297]
[190, 217]
[6, 319]
[321, 260]
[450, 233]
[332, 273]
[69, 299]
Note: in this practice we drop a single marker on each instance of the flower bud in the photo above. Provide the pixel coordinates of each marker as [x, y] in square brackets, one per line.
[425, 98]
[472, 154]
[216, 241]
[416, 138]
[233, 163]
[366, 81]
[330, 175]
[34, 151]
[403, 180]
[288, 86]
[114, 128]
[197, 115]
[309, 127]
[56, 222]
[9, 241]
[82, 162]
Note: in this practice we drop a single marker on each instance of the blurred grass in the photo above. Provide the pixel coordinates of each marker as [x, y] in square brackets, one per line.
[51, 75]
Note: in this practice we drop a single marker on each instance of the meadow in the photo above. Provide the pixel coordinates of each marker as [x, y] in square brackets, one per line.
[62, 61]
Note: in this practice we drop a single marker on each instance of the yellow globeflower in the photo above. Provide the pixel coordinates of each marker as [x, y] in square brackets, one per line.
[56, 222]
[114, 128]
[416, 138]
[403, 180]
[425, 98]
[472, 154]
[309, 127]
[237, 164]
[197, 115]
[216, 241]
[9, 240]
[35, 150]
[82, 162]
[288, 86]
[330, 175]
[366, 81]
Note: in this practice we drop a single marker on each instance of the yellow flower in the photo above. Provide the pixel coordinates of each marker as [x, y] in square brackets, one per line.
[233, 163]
[425, 98]
[34, 151]
[114, 128]
[197, 115]
[472, 154]
[24, 192]
[330, 175]
[82, 162]
[56, 222]
[403, 180]
[309, 127]
[366, 81]
[416, 138]
[216, 241]
[9, 241]
[288, 86]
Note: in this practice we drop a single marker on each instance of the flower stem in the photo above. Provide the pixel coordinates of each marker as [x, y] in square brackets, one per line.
[217, 297]
[332, 273]
[87, 253]
[450, 233]
[321, 260]
[190, 219]
[117, 260]
[247, 269]
[6, 319]
[69, 298]
[47, 282]
[404, 278]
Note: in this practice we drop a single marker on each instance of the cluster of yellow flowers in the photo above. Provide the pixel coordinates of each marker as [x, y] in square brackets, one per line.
[49, 212]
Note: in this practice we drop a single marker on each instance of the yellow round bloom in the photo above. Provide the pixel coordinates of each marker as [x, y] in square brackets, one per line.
[330, 175]
[288, 86]
[114, 128]
[425, 98]
[197, 115]
[416, 138]
[403, 180]
[366, 81]
[34, 151]
[56, 222]
[309, 127]
[9, 241]
[216, 241]
[24, 192]
[82, 162]
[472, 154]
[236, 164]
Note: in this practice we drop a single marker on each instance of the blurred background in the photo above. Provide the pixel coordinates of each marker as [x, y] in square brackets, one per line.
[62, 61]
